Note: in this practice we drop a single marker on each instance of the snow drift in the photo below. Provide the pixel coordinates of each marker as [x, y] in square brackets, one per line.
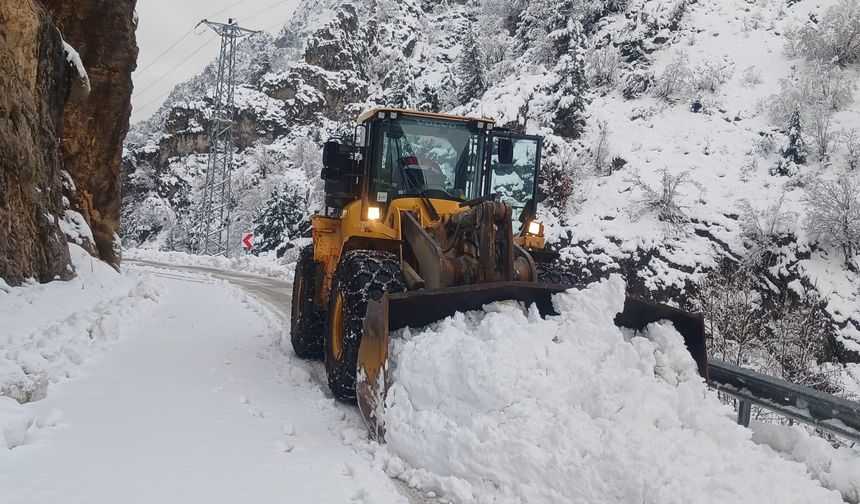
[504, 406]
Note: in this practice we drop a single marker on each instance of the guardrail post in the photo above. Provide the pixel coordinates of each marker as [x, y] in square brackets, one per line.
[744, 412]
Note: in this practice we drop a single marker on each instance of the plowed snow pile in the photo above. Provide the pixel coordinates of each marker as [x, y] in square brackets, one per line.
[503, 406]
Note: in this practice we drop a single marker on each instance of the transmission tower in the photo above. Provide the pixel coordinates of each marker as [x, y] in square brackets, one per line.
[215, 214]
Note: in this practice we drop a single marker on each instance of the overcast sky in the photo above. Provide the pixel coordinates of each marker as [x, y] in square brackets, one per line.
[164, 22]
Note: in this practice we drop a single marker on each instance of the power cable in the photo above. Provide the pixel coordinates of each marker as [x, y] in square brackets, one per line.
[263, 11]
[142, 70]
[183, 37]
[165, 74]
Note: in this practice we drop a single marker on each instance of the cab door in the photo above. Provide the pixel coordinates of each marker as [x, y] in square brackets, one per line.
[516, 182]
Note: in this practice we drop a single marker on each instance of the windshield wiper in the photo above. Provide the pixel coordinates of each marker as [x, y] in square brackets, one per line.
[415, 186]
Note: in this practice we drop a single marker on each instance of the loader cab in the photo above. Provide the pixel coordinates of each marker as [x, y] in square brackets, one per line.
[411, 154]
[424, 156]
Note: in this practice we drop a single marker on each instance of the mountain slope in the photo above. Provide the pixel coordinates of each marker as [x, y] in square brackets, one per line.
[690, 163]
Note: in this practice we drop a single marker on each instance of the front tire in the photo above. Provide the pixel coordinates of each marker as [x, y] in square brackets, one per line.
[306, 324]
[361, 275]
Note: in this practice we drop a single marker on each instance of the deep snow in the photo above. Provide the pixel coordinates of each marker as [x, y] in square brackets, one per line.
[202, 400]
[507, 407]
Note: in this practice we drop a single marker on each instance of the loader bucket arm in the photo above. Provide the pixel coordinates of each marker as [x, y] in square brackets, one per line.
[423, 307]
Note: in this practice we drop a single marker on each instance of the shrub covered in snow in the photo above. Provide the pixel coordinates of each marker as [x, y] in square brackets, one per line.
[833, 38]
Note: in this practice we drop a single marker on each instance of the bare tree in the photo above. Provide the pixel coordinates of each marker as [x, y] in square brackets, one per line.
[600, 152]
[733, 315]
[852, 149]
[834, 38]
[819, 127]
[833, 214]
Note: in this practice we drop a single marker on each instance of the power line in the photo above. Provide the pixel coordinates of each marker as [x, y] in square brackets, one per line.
[225, 9]
[142, 70]
[267, 9]
[183, 37]
[165, 74]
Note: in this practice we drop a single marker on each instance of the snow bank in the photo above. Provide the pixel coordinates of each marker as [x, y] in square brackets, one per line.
[15, 421]
[264, 265]
[836, 468]
[503, 406]
[47, 330]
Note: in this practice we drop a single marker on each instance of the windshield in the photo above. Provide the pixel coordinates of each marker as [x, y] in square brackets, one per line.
[426, 157]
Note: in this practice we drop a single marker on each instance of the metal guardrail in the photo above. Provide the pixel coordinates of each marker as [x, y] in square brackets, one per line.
[824, 411]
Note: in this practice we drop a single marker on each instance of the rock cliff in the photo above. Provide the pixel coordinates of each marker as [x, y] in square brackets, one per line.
[65, 77]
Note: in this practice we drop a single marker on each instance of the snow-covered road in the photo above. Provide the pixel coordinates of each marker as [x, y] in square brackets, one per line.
[197, 404]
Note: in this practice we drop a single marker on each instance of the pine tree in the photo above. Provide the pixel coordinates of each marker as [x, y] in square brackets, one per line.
[561, 28]
[796, 150]
[573, 85]
[402, 90]
[471, 70]
[281, 220]
[429, 99]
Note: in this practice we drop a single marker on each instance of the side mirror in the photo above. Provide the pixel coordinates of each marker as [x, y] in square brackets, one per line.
[529, 212]
[506, 151]
[331, 151]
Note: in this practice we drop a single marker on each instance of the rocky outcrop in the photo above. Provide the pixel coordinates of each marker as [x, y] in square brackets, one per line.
[35, 81]
[94, 128]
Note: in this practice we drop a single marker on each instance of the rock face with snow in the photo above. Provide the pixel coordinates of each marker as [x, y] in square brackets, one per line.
[65, 73]
[95, 126]
[35, 79]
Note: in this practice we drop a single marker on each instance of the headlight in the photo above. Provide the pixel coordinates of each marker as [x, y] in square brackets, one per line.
[373, 213]
[535, 228]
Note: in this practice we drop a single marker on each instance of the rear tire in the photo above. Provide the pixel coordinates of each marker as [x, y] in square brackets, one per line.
[360, 275]
[556, 274]
[306, 324]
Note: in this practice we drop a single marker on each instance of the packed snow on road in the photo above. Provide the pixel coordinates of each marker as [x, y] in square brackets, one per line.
[167, 385]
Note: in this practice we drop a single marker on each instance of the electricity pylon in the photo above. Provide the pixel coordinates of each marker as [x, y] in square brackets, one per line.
[215, 214]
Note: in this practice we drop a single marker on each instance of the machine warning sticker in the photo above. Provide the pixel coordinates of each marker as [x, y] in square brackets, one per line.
[382, 197]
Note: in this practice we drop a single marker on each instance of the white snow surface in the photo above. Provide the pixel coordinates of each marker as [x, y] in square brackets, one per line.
[504, 406]
[198, 404]
[48, 330]
[836, 468]
[264, 265]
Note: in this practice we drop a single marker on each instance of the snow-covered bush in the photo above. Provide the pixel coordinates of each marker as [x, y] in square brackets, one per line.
[662, 200]
[751, 76]
[834, 38]
[671, 85]
[712, 74]
[637, 83]
[602, 66]
[833, 213]
[763, 232]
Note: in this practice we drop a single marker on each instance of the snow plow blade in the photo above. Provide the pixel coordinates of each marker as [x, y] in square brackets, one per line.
[420, 308]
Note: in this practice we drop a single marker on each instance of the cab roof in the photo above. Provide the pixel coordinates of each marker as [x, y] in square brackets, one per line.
[419, 113]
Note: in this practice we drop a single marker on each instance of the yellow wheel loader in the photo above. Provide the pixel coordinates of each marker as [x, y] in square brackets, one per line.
[426, 215]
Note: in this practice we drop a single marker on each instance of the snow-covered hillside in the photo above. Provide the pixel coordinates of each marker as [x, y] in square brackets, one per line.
[705, 150]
